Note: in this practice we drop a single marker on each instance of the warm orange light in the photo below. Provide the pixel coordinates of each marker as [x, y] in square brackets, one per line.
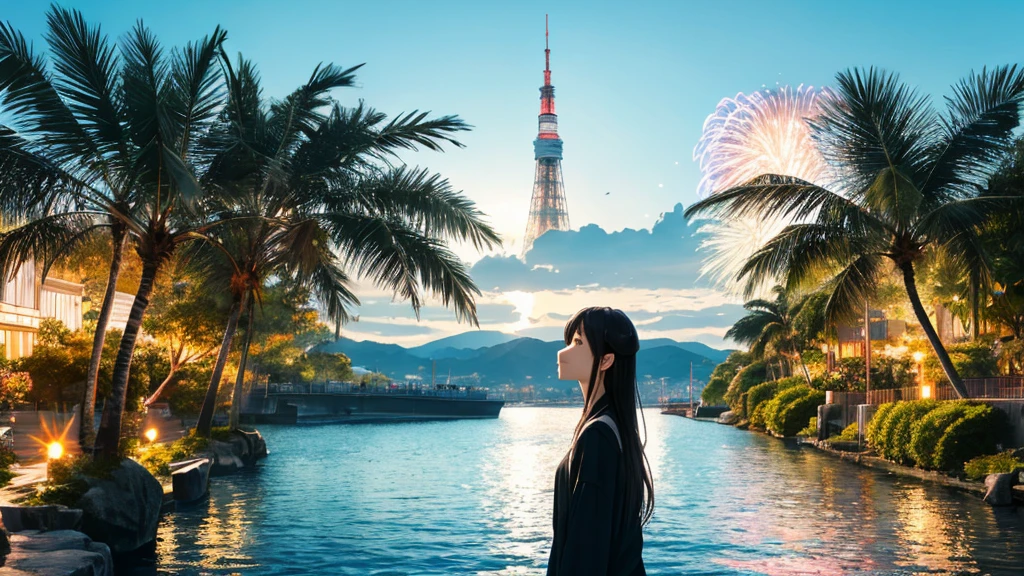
[54, 451]
[926, 392]
[918, 356]
[151, 434]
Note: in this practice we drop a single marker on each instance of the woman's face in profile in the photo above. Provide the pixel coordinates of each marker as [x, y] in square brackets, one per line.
[576, 360]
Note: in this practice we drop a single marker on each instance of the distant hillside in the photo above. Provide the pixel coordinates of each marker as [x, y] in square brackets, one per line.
[473, 340]
[517, 361]
[715, 354]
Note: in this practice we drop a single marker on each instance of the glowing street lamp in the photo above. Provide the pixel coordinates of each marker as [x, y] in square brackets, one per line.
[151, 434]
[54, 450]
[926, 391]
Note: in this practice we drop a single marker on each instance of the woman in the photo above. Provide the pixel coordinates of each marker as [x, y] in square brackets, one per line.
[600, 500]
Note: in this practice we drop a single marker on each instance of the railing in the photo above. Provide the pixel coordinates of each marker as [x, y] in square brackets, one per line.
[439, 391]
[992, 388]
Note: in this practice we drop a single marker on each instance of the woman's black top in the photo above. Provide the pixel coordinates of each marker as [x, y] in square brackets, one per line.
[592, 534]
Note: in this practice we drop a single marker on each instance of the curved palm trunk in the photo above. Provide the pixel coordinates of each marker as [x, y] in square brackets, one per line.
[210, 402]
[86, 425]
[109, 435]
[929, 331]
[236, 396]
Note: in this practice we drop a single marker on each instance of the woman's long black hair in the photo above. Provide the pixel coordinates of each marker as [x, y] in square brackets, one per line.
[609, 331]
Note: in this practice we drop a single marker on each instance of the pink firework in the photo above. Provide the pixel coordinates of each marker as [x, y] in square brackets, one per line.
[761, 133]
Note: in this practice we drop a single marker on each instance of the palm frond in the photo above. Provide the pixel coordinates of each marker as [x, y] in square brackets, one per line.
[197, 93]
[88, 79]
[402, 259]
[28, 94]
[850, 288]
[45, 240]
[426, 201]
[981, 116]
[872, 121]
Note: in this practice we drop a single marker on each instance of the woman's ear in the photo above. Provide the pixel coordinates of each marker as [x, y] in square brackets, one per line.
[606, 361]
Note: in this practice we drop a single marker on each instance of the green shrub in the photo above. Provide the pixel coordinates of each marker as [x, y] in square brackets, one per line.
[898, 432]
[794, 416]
[66, 483]
[745, 379]
[756, 399]
[849, 434]
[975, 359]
[925, 433]
[979, 467]
[873, 434]
[157, 458]
[974, 434]
[811, 429]
[773, 408]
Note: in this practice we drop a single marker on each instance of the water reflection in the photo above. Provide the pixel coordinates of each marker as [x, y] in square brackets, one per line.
[475, 497]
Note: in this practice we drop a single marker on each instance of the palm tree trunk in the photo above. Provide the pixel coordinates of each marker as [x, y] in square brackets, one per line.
[205, 422]
[236, 396]
[929, 331]
[109, 436]
[86, 424]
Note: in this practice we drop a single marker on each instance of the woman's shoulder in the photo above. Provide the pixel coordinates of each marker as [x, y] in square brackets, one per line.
[598, 435]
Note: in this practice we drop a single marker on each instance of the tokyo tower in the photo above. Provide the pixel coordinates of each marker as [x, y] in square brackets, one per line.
[548, 210]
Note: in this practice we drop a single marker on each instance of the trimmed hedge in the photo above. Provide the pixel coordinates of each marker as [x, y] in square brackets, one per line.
[873, 434]
[975, 434]
[757, 397]
[927, 431]
[772, 408]
[795, 415]
[791, 409]
[936, 435]
[896, 437]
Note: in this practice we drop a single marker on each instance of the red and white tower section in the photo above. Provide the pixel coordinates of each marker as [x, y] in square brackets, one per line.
[548, 209]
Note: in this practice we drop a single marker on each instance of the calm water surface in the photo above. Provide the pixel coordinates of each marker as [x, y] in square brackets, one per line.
[475, 497]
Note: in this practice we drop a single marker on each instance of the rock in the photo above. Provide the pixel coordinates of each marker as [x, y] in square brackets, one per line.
[69, 519]
[122, 511]
[727, 418]
[18, 518]
[59, 552]
[1000, 487]
[191, 481]
[64, 563]
[48, 541]
[241, 450]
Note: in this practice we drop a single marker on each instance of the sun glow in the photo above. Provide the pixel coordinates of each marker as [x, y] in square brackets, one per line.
[523, 303]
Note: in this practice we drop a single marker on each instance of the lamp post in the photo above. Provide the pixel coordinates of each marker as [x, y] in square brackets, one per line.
[926, 391]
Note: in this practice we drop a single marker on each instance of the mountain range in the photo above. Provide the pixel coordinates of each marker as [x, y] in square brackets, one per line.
[498, 358]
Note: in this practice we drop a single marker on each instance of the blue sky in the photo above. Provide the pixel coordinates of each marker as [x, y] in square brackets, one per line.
[634, 84]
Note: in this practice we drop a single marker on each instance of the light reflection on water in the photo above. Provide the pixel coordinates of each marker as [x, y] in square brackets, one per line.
[475, 497]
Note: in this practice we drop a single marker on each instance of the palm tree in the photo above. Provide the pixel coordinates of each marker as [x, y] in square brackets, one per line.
[770, 326]
[116, 131]
[311, 192]
[908, 181]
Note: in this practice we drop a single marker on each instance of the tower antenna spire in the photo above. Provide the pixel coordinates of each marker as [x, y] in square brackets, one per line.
[547, 54]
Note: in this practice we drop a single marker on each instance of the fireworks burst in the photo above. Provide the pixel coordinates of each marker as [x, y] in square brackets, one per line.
[747, 136]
